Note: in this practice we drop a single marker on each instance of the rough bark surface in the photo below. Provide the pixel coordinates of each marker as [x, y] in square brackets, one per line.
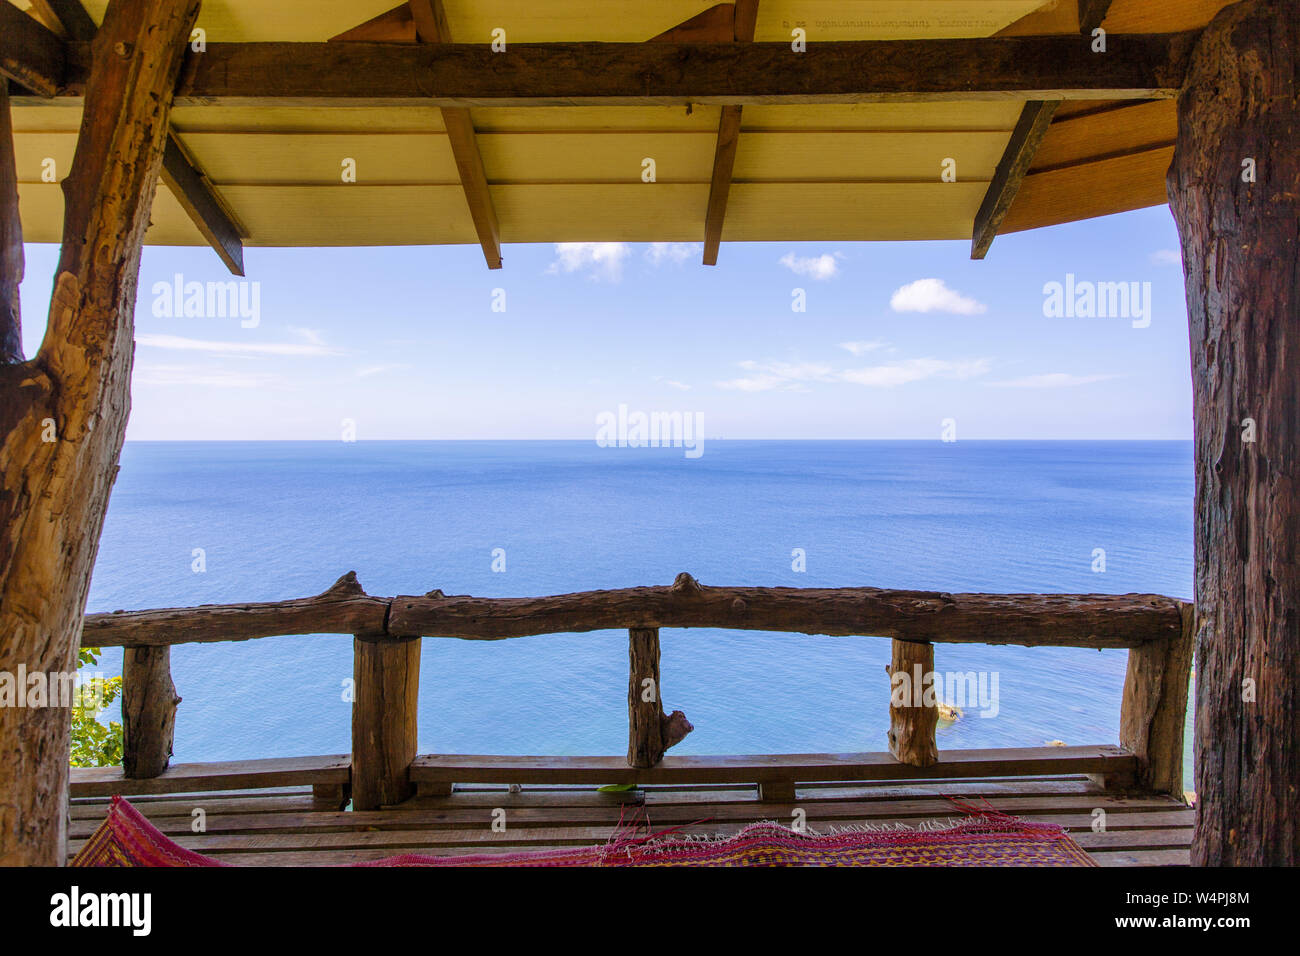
[149, 702]
[649, 730]
[386, 677]
[1241, 254]
[912, 727]
[53, 494]
[1057, 620]
[1154, 713]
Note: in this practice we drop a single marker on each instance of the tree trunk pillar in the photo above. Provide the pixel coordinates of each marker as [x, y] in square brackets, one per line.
[386, 675]
[148, 710]
[63, 414]
[1235, 191]
[913, 723]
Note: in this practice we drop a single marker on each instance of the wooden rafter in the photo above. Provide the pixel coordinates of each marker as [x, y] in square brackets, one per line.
[72, 16]
[31, 55]
[1150, 66]
[714, 25]
[200, 201]
[1035, 118]
[1091, 13]
[430, 20]
[190, 187]
[744, 19]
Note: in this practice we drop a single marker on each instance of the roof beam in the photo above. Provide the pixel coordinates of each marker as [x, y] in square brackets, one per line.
[1035, 118]
[30, 54]
[72, 16]
[190, 187]
[1137, 66]
[1091, 13]
[199, 200]
[431, 27]
[744, 19]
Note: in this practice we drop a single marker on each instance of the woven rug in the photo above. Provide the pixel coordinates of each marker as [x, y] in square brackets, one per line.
[985, 838]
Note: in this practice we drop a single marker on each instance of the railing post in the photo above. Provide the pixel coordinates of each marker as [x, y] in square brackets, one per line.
[912, 723]
[148, 711]
[649, 730]
[1154, 711]
[386, 674]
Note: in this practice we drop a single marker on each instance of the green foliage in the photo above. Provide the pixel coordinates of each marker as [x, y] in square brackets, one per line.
[93, 743]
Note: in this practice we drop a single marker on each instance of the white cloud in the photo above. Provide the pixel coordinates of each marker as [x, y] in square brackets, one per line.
[311, 336]
[816, 267]
[680, 386]
[772, 376]
[369, 370]
[674, 252]
[932, 295]
[1051, 380]
[190, 375]
[600, 260]
[182, 344]
[861, 348]
[1167, 257]
[914, 370]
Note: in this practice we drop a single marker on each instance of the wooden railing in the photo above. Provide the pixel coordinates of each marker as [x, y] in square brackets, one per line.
[387, 632]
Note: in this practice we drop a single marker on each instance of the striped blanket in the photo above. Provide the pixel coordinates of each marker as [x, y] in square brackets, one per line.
[985, 838]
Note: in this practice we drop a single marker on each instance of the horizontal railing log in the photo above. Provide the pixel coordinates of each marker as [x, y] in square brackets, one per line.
[1158, 631]
[1058, 620]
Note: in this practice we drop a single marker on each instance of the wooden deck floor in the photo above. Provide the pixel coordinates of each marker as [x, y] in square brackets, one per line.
[285, 827]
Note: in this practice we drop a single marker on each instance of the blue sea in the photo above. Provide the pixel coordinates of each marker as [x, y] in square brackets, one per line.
[284, 520]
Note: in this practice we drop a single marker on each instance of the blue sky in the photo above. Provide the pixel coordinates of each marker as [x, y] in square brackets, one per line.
[895, 338]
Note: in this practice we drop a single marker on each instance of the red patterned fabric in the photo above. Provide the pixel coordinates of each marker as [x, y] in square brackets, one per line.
[985, 838]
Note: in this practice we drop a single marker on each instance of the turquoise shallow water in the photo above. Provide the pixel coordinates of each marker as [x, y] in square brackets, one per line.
[281, 520]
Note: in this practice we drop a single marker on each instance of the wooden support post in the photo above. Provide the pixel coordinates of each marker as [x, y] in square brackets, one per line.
[54, 494]
[148, 711]
[1154, 711]
[1235, 191]
[649, 730]
[387, 687]
[11, 240]
[645, 743]
[912, 724]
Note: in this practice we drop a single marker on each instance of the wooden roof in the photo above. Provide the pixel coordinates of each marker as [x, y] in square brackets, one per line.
[801, 171]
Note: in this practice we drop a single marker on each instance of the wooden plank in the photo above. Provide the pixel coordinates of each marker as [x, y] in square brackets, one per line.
[1154, 713]
[1140, 66]
[384, 720]
[30, 54]
[195, 777]
[392, 26]
[1001, 195]
[431, 27]
[200, 201]
[1095, 188]
[762, 768]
